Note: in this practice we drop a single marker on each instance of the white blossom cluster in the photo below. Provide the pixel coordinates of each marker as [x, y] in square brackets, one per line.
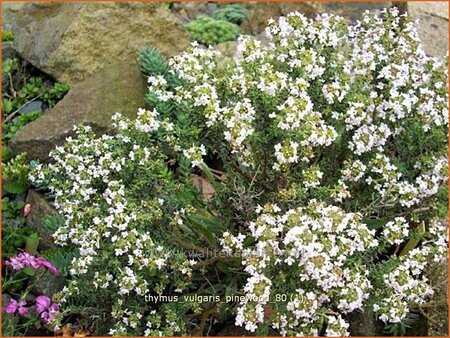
[115, 242]
[374, 83]
[407, 284]
[374, 79]
[319, 242]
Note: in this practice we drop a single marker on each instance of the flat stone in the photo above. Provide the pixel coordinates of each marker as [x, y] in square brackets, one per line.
[188, 11]
[364, 323]
[433, 8]
[8, 51]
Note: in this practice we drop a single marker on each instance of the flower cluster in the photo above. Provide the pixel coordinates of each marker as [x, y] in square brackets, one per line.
[331, 113]
[99, 186]
[396, 231]
[17, 306]
[24, 259]
[406, 283]
[321, 243]
[46, 310]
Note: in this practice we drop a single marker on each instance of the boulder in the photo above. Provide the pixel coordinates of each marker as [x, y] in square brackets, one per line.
[32, 106]
[40, 208]
[432, 25]
[118, 87]
[72, 41]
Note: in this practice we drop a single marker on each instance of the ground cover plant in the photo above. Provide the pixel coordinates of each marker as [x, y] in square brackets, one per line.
[326, 151]
[221, 27]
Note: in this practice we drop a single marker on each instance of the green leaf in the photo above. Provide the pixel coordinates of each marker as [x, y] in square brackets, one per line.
[53, 222]
[29, 271]
[32, 243]
[6, 154]
[14, 188]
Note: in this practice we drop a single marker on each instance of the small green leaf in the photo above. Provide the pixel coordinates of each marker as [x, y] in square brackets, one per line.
[32, 243]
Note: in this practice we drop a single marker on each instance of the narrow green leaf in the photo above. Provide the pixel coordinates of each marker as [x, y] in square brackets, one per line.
[209, 176]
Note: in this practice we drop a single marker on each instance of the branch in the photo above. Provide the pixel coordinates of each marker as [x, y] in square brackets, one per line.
[205, 317]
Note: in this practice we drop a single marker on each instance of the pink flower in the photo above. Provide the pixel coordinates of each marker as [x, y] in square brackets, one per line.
[46, 264]
[45, 308]
[42, 303]
[14, 306]
[24, 259]
[26, 209]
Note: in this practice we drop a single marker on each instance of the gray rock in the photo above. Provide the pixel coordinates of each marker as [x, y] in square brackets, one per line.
[117, 87]
[40, 208]
[72, 41]
[48, 284]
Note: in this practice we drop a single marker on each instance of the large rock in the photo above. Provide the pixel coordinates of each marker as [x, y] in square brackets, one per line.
[72, 41]
[119, 87]
[432, 25]
[40, 209]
